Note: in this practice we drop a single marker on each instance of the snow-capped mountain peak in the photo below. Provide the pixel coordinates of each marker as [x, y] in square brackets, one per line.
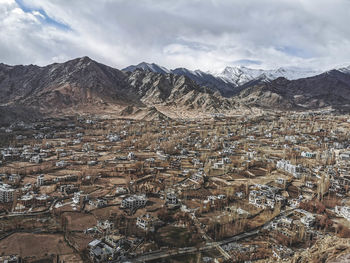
[240, 75]
[345, 70]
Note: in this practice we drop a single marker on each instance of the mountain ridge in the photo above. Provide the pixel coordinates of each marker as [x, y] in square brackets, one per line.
[81, 84]
[229, 80]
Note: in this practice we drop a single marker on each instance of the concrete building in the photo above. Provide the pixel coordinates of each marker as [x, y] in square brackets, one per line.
[134, 202]
[171, 198]
[286, 166]
[146, 222]
[40, 180]
[308, 154]
[6, 193]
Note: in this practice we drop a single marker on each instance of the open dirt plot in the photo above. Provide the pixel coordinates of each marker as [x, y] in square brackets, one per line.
[79, 221]
[35, 245]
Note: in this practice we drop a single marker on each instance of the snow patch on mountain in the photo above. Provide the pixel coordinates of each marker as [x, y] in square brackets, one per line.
[240, 75]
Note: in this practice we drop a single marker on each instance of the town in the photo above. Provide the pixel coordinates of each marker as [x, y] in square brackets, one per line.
[256, 187]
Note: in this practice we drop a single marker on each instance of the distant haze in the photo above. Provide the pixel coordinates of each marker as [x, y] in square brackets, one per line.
[206, 34]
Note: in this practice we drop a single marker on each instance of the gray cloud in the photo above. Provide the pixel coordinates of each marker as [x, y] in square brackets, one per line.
[205, 34]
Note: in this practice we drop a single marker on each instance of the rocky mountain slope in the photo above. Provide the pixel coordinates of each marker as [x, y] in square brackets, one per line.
[231, 80]
[76, 82]
[9, 114]
[201, 78]
[331, 88]
[83, 82]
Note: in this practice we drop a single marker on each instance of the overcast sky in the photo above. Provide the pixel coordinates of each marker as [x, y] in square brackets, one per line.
[204, 34]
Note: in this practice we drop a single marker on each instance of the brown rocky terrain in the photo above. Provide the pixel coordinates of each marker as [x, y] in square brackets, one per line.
[328, 89]
[83, 85]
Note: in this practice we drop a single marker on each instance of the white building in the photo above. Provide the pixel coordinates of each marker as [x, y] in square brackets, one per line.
[131, 156]
[61, 164]
[40, 180]
[35, 159]
[6, 193]
[343, 211]
[308, 154]
[286, 166]
[219, 165]
[309, 184]
[105, 225]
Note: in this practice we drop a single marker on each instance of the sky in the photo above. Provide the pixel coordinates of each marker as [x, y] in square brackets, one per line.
[196, 34]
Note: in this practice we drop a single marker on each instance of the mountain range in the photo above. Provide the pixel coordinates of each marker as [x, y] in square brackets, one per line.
[83, 84]
[231, 80]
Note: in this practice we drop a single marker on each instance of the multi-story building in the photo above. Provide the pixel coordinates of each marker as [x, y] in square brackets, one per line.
[146, 222]
[286, 166]
[40, 180]
[134, 202]
[6, 193]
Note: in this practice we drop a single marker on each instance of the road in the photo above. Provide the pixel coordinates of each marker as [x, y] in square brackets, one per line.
[208, 238]
[188, 250]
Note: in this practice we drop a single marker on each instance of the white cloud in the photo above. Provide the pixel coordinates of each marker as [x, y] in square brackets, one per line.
[206, 34]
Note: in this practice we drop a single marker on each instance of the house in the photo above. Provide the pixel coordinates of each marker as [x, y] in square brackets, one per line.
[251, 155]
[309, 184]
[115, 241]
[343, 211]
[146, 222]
[131, 156]
[36, 159]
[197, 177]
[294, 202]
[79, 196]
[100, 252]
[240, 195]
[68, 188]
[26, 200]
[171, 198]
[344, 156]
[10, 259]
[121, 190]
[113, 138]
[92, 163]
[308, 220]
[61, 164]
[308, 154]
[285, 222]
[280, 180]
[98, 202]
[281, 252]
[105, 225]
[219, 165]
[263, 198]
[41, 199]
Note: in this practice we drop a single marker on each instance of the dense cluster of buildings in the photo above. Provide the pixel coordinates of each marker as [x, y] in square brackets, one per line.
[208, 179]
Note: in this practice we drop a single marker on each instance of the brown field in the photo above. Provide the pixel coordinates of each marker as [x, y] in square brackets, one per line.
[36, 245]
[80, 221]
